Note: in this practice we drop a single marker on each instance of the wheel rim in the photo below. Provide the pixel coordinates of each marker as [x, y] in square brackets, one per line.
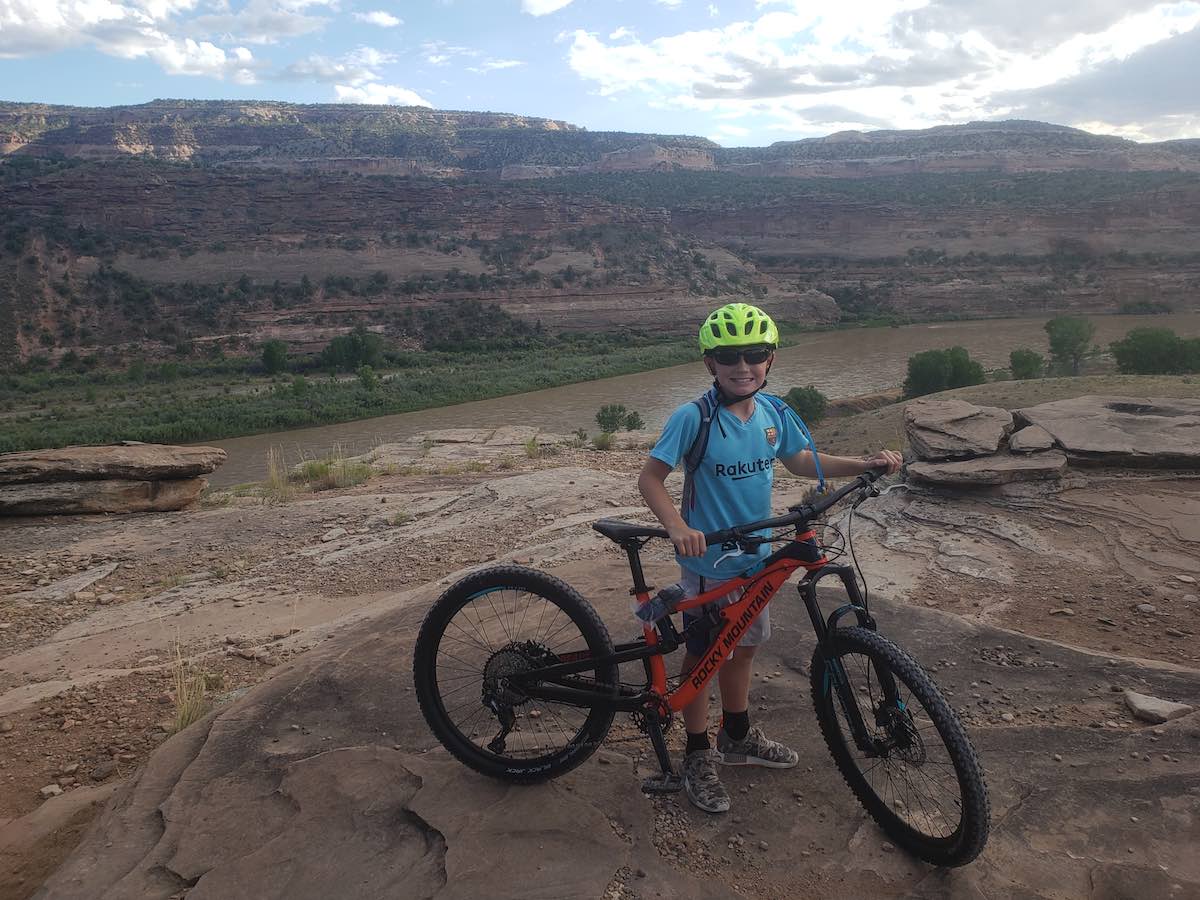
[910, 771]
[493, 636]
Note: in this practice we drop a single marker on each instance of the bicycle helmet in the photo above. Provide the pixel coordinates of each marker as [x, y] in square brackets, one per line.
[738, 325]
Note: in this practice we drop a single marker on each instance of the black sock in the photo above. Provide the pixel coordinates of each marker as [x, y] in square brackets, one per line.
[697, 742]
[736, 725]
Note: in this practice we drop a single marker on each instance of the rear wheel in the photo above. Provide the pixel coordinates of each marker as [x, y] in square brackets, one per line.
[488, 628]
[918, 776]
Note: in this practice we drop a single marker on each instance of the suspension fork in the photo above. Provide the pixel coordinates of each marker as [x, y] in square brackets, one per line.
[835, 677]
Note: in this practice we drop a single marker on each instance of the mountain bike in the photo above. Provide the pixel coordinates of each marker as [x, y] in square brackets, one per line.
[518, 678]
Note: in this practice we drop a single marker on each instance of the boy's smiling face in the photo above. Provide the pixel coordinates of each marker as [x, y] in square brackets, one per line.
[741, 378]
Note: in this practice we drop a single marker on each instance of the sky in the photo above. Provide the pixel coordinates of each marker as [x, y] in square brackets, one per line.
[740, 72]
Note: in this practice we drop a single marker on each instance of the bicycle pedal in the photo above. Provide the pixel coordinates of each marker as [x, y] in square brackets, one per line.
[667, 783]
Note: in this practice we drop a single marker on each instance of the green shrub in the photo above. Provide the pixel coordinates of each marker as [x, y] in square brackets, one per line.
[1156, 351]
[367, 378]
[610, 417]
[809, 403]
[941, 370]
[613, 417]
[1026, 363]
[604, 441]
[332, 472]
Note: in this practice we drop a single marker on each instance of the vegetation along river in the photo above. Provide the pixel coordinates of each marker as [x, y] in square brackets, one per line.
[841, 363]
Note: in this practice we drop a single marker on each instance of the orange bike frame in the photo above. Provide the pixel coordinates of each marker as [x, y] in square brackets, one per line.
[736, 617]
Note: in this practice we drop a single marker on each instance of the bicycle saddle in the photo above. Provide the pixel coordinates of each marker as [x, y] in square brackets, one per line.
[616, 530]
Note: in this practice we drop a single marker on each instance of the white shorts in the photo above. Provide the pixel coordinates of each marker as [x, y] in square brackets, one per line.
[693, 584]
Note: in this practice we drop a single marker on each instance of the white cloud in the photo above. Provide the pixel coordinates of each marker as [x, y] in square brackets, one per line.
[670, 4]
[379, 17]
[543, 7]
[439, 53]
[188, 57]
[621, 32]
[355, 68]
[877, 63]
[713, 12]
[492, 65]
[263, 21]
[379, 94]
[132, 29]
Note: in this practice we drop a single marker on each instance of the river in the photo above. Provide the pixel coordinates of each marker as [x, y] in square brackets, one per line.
[839, 363]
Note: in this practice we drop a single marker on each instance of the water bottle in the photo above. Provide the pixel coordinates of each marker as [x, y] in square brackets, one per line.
[661, 604]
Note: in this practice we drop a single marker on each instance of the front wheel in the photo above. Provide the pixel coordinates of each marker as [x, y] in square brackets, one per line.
[912, 767]
[490, 626]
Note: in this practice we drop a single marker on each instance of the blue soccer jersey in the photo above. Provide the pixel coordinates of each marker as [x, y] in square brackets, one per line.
[733, 482]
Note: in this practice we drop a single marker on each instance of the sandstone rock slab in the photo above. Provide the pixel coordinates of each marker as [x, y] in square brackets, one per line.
[991, 470]
[137, 462]
[111, 496]
[65, 588]
[1155, 709]
[1153, 432]
[1030, 439]
[954, 429]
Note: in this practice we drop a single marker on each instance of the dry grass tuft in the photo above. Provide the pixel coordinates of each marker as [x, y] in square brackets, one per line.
[278, 486]
[191, 702]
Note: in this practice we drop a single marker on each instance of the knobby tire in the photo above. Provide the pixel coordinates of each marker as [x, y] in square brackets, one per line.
[919, 795]
[492, 615]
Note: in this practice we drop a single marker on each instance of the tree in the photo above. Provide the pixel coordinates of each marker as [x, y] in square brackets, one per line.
[1156, 351]
[274, 357]
[962, 369]
[350, 351]
[940, 370]
[809, 403]
[1070, 341]
[1026, 363]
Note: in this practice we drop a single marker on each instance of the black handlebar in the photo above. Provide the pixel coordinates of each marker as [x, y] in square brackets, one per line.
[796, 515]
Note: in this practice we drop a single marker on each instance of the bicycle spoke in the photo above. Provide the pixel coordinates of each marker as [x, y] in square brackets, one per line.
[914, 789]
[507, 625]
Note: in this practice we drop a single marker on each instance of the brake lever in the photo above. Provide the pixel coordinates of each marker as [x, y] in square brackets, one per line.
[869, 491]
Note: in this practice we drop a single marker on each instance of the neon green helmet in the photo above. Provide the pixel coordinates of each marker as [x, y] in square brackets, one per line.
[738, 325]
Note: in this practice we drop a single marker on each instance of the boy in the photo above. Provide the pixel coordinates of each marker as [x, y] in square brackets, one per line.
[732, 486]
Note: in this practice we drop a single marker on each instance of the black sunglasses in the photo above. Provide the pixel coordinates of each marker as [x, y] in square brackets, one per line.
[729, 356]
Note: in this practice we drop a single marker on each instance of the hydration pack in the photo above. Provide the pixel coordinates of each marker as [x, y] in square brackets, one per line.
[709, 406]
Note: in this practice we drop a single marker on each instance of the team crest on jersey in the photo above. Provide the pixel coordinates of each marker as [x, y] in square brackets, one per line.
[772, 434]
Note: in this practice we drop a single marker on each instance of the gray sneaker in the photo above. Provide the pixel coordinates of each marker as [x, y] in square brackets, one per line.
[755, 749]
[702, 783]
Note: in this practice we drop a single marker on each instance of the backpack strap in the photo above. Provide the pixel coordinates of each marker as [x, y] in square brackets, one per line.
[708, 406]
[785, 411]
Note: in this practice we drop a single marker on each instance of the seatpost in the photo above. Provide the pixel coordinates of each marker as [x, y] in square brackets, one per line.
[635, 567]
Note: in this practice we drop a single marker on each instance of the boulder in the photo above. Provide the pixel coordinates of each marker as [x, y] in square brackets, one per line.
[1153, 709]
[136, 462]
[1122, 431]
[990, 470]
[112, 496]
[1030, 439]
[954, 429]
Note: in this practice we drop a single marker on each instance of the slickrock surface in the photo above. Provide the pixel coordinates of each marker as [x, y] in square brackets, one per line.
[136, 462]
[1007, 596]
